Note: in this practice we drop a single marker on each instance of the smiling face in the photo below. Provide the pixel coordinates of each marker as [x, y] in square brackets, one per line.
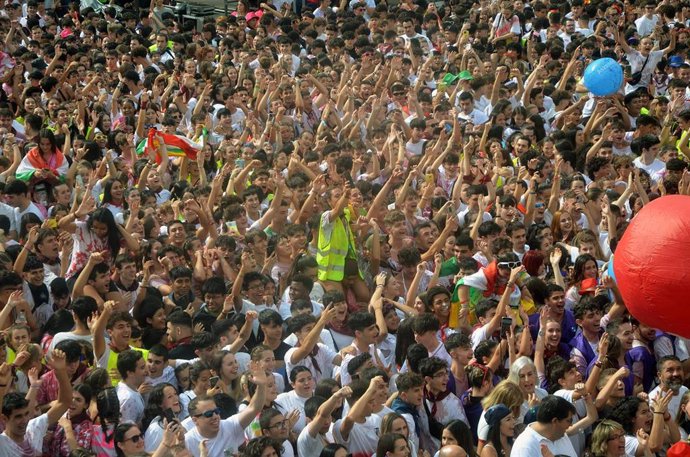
[171, 400]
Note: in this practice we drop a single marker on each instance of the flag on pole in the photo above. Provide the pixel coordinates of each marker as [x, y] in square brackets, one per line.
[177, 145]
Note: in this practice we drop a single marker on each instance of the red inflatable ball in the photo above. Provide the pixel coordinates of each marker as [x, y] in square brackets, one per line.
[652, 265]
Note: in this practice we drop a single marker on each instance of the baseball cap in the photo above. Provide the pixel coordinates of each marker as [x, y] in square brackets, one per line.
[675, 61]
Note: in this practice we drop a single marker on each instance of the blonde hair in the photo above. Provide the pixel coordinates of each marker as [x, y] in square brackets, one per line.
[601, 436]
[506, 392]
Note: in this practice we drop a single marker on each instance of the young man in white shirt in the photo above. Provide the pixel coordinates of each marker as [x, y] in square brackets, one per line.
[132, 368]
[358, 431]
[648, 161]
[21, 434]
[227, 434]
[426, 329]
[554, 417]
[443, 404]
[17, 196]
[308, 351]
[365, 329]
[318, 411]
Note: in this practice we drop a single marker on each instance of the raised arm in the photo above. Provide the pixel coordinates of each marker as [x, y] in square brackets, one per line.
[98, 329]
[258, 377]
[59, 362]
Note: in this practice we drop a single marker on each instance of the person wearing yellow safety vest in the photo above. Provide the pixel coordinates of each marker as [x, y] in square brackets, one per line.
[336, 254]
[118, 324]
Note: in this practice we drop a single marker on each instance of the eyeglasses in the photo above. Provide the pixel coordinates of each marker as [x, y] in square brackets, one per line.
[509, 264]
[280, 424]
[209, 414]
[135, 439]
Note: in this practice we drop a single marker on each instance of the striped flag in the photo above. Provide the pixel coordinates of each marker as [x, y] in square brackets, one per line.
[177, 145]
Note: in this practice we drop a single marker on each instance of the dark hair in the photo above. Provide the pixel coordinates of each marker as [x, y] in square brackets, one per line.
[256, 446]
[127, 362]
[553, 407]
[462, 434]
[300, 321]
[71, 348]
[360, 321]
[107, 191]
[108, 406]
[387, 441]
[426, 322]
[13, 401]
[60, 321]
[154, 405]
[120, 432]
[331, 449]
[83, 308]
[431, 365]
[296, 371]
[104, 216]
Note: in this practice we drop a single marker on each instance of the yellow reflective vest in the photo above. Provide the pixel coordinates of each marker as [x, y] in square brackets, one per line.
[112, 363]
[333, 246]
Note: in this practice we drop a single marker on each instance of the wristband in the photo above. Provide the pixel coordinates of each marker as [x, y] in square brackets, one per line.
[657, 412]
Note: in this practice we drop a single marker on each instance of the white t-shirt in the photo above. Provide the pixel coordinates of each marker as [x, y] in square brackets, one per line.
[363, 438]
[645, 26]
[33, 439]
[185, 399]
[528, 444]
[230, 436]
[290, 401]
[63, 336]
[655, 169]
[131, 404]
[324, 358]
[674, 404]
[578, 439]
[154, 434]
[637, 61]
[345, 377]
[309, 445]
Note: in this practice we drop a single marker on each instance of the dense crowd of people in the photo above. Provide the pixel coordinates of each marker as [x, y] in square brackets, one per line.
[327, 230]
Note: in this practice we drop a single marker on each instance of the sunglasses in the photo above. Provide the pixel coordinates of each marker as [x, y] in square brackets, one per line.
[135, 439]
[209, 414]
[510, 265]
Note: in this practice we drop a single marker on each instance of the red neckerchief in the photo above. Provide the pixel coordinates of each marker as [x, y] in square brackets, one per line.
[443, 332]
[434, 399]
[187, 339]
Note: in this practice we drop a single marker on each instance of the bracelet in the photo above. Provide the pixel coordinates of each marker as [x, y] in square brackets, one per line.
[3, 385]
[598, 364]
[657, 412]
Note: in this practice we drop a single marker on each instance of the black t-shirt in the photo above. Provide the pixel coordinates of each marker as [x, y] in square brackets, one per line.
[184, 351]
[40, 295]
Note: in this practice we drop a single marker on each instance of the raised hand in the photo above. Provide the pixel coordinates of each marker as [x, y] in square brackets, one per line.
[603, 346]
[258, 373]
[59, 360]
[555, 257]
